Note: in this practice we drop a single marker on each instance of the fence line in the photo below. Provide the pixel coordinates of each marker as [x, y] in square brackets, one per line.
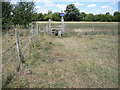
[21, 50]
[8, 48]
[10, 59]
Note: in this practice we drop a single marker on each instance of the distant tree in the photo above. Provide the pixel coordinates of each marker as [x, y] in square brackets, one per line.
[82, 16]
[116, 16]
[89, 17]
[101, 17]
[48, 16]
[108, 17]
[56, 16]
[40, 17]
[35, 17]
[49, 12]
[95, 18]
[71, 12]
[6, 14]
[116, 13]
[107, 13]
[23, 13]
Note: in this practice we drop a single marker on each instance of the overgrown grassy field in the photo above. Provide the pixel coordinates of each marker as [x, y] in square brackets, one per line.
[82, 58]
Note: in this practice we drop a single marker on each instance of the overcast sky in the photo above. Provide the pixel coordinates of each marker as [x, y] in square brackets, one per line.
[87, 6]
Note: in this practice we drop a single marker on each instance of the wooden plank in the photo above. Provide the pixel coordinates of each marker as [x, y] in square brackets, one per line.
[56, 28]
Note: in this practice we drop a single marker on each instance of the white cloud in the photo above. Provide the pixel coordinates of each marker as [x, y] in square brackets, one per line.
[44, 11]
[91, 5]
[37, 7]
[78, 4]
[66, 0]
[61, 6]
[13, 2]
[81, 0]
[41, 10]
[106, 7]
[114, 2]
[98, 11]
[48, 3]
[38, 1]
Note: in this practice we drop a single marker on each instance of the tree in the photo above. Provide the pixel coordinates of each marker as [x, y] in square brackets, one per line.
[107, 13]
[56, 16]
[95, 18]
[23, 13]
[82, 16]
[37, 17]
[6, 14]
[108, 17]
[116, 13]
[49, 15]
[116, 16]
[71, 12]
[89, 17]
[40, 17]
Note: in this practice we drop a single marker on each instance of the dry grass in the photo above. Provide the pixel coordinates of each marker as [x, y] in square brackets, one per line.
[79, 59]
[83, 61]
[73, 22]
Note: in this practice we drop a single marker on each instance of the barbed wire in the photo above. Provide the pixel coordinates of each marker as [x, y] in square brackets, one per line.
[8, 49]
[26, 46]
[22, 39]
[25, 49]
[25, 39]
[10, 59]
[11, 46]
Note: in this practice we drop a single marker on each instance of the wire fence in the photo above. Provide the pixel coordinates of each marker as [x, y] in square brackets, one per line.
[16, 43]
[15, 48]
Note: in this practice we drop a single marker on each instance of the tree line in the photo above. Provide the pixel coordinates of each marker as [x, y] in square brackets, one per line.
[24, 12]
[73, 14]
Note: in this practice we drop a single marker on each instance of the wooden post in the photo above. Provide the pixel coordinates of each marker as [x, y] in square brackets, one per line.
[62, 21]
[46, 28]
[33, 35]
[37, 28]
[49, 26]
[32, 29]
[32, 32]
[92, 27]
[59, 33]
[18, 50]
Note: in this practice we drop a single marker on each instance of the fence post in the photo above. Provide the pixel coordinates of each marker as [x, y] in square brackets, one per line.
[49, 27]
[32, 29]
[32, 32]
[59, 33]
[37, 28]
[18, 50]
[93, 27]
[63, 27]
